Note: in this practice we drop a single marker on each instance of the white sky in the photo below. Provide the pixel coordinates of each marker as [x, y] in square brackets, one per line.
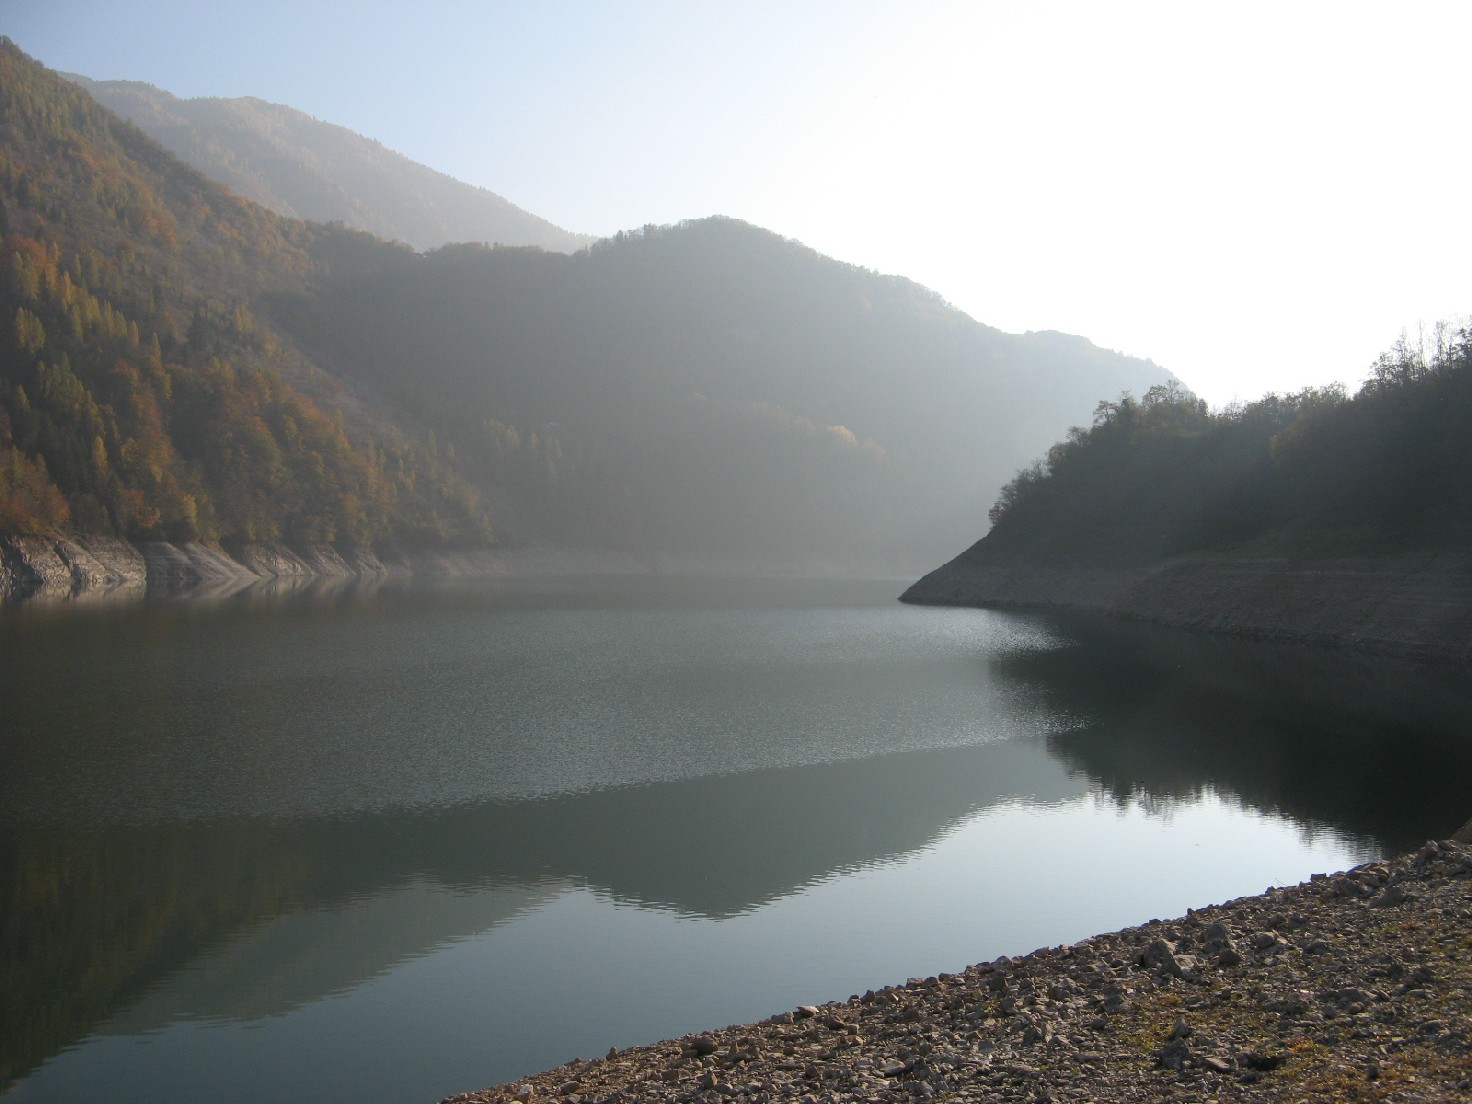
[1255, 195]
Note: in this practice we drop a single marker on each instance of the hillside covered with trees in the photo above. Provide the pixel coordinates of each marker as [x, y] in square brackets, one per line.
[302, 167]
[1313, 517]
[708, 386]
[141, 393]
[178, 363]
[1388, 470]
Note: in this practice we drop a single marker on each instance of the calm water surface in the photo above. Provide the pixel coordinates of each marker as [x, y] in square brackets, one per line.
[397, 844]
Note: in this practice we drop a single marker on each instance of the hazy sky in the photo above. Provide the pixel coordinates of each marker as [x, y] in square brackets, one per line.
[1256, 196]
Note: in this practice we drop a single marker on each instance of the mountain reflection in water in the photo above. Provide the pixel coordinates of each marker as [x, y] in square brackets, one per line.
[1373, 747]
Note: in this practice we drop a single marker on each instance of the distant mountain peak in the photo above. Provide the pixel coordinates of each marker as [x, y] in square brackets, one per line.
[303, 167]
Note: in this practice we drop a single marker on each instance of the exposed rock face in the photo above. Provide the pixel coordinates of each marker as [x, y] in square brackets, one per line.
[56, 567]
[60, 567]
[202, 561]
[1415, 605]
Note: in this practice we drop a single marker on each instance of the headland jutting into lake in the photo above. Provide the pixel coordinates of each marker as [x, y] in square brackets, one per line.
[1413, 604]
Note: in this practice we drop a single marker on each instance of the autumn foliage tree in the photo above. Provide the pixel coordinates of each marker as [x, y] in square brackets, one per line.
[141, 393]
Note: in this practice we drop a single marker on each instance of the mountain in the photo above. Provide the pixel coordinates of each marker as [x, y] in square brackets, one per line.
[1313, 515]
[142, 392]
[707, 387]
[178, 363]
[304, 168]
[1388, 470]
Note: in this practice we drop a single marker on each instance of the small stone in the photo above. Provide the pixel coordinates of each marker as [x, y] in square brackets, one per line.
[1258, 1060]
[525, 1093]
[1288, 1006]
[701, 1045]
[1390, 897]
[1174, 1055]
[1017, 1069]
[1158, 955]
[1217, 933]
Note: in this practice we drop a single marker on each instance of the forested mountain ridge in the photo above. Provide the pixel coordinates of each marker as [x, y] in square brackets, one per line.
[302, 167]
[142, 394]
[179, 363]
[1313, 515]
[708, 386]
[1315, 472]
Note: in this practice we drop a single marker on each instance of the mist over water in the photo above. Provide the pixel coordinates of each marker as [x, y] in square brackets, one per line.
[409, 843]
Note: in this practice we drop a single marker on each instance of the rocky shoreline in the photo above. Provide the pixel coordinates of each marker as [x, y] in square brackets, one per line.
[58, 567]
[1412, 605]
[63, 567]
[1355, 986]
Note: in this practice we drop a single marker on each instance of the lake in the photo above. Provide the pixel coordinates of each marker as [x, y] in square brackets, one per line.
[394, 842]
